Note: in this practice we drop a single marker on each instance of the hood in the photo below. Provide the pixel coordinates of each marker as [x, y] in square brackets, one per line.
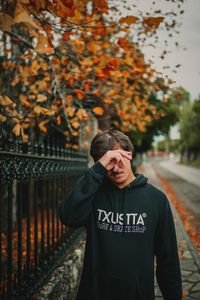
[139, 180]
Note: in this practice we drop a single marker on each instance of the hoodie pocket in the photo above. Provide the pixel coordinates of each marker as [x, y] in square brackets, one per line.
[117, 288]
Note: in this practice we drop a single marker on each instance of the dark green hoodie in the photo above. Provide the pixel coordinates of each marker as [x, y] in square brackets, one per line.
[126, 228]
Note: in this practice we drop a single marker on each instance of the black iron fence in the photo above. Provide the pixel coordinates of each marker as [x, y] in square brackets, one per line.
[34, 177]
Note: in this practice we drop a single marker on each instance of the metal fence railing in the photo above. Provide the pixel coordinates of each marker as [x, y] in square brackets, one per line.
[34, 177]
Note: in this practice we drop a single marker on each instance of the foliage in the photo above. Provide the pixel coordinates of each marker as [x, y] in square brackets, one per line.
[63, 60]
[190, 126]
[169, 113]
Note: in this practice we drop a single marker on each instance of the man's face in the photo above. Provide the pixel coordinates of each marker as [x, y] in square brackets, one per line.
[120, 173]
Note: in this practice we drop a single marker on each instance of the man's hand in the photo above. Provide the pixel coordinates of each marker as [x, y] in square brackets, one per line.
[112, 157]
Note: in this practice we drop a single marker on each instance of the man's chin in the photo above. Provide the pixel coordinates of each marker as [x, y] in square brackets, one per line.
[118, 180]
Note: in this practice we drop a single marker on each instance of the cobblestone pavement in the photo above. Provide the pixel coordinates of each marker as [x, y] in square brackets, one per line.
[189, 257]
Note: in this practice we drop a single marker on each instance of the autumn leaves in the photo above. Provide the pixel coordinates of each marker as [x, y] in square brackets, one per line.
[66, 54]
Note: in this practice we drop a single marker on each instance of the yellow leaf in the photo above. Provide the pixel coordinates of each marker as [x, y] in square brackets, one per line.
[24, 136]
[128, 20]
[23, 17]
[42, 84]
[70, 111]
[88, 129]
[41, 98]
[82, 114]
[99, 111]
[75, 123]
[129, 61]
[17, 129]
[6, 21]
[2, 118]
[6, 101]
[43, 44]
[42, 127]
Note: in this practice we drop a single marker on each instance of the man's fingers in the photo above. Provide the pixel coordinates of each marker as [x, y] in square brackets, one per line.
[124, 153]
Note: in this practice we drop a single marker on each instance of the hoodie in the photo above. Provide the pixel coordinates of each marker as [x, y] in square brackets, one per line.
[126, 229]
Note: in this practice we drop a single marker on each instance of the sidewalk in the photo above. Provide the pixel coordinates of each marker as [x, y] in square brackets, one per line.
[190, 174]
[189, 257]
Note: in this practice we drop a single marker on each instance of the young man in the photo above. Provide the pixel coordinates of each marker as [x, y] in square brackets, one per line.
[128, 222]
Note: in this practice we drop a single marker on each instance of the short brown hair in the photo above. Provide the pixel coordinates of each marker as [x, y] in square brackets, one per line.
[109, 140]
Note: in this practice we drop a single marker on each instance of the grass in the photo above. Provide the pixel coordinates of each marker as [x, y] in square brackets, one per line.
[195, 163]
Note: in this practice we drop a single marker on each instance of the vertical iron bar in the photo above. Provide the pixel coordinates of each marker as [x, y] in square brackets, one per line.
[63, 197]
[28, 242]
[42, 246]
[48, 215]
[56, 208]
[1, 238]
[19, 225]
[9, 238]
[52, 212]
[35, 208]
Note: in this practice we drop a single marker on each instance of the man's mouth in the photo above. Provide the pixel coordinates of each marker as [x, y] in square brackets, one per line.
[117, 174]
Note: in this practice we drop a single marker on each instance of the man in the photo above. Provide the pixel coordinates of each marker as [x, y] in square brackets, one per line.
[128, 222]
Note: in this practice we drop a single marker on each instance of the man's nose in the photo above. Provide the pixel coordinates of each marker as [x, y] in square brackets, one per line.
[116, 168]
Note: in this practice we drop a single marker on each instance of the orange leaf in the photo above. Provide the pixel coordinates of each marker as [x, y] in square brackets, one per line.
[92, 46]
[69, 98]
[79, 94]
[82, 114]
[99, 111]
[58, 119]
[6, 101]
[128, 20]
[107, 100]
[122, 42]
[37, 109]
[26, 104]
[75, 123]
[87, 84]
[74, 133]
[66, 35]
[64, 9]
[24, 136]
[100, 29]
[71, 81]
[152, 22]
[100, 6]
[88, 129]
[70, 111]
[42, 127]
[17, 129]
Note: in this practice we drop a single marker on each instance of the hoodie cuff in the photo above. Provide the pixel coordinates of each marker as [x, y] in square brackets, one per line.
[98, 171]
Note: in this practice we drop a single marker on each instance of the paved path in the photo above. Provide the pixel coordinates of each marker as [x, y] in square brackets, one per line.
[190, 174]
[189, 257]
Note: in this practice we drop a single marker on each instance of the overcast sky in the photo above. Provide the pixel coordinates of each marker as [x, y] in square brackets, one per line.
[188, 74]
